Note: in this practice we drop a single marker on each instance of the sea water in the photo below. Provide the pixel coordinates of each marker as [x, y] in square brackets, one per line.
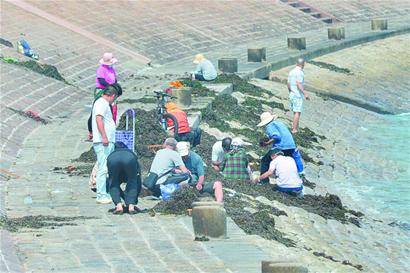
[390, 194]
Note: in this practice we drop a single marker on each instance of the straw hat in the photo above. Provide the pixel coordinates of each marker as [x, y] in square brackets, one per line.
[108, 59]
[183, 148]
[266, 117]
[198, 58]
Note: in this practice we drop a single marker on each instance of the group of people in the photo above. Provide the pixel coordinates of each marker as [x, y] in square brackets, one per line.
[176, 164]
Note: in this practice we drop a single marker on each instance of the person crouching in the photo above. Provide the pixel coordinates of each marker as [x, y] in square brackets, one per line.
[284, 168]
[196, 166]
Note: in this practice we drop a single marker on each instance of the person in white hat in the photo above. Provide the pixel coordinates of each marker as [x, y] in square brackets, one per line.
[205, 70]
[236, 164]
[194, 163]
[278, 135]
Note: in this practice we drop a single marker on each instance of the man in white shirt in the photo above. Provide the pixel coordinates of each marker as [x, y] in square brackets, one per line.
[296, 82]
[284, 168]
[103, 127]
[218, 152]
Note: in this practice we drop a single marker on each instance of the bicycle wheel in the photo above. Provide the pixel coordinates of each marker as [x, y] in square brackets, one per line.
[167, 117]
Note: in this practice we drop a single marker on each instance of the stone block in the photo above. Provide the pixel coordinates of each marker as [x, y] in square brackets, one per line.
[336, 33]
[379, 24]
[282, 267]
[228, 65]
[298, 43]
[209, 219]
[220, 88]
[184, 96]
[257, 54]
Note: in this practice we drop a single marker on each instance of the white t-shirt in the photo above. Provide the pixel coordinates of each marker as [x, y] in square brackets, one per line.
[286, 171]
[102, 108]
[296, 75]
[218, 153]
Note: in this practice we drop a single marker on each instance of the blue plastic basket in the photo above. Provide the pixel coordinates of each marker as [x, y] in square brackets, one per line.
[127, 136]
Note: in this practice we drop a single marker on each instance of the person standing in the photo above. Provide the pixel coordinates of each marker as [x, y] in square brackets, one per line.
[205, 70]
[278, 135]
[103, 129]
[284, 168]
[296, 82]
[105, 76]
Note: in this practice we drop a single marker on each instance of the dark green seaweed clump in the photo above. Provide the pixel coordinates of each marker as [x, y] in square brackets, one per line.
[6, 42]
[331, 67]
[179, 202]
[198, 90]
[30, 114]
[38, 221]
[44, 69]
[141, 100]
[345, 262]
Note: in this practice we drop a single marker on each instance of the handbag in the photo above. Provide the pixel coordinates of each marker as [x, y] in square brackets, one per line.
[151, 180]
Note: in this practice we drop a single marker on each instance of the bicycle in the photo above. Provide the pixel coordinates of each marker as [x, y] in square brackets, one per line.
[162, 115]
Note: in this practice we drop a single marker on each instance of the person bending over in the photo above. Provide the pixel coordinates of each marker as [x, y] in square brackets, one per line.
[167, 167]
[284, 168]
[196, 166]
[123, 167]
[219, 149]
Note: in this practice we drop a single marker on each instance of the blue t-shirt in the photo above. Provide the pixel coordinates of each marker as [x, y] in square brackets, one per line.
[195, 164]
[279, 128]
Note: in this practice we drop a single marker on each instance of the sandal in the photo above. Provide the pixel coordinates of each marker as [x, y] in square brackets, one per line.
[135, 210]
[117, 212]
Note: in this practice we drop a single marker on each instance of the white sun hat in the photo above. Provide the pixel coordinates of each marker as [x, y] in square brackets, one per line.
[183, 148]
[108, 59]
[266, 117]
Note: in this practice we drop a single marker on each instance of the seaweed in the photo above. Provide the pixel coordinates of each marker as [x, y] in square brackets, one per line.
[141, 100]
[198, 90]
[6, 42]
[345, 262]
[44, 69]
[179, 202]
[38, 222]
[29, 114]
[331, 67]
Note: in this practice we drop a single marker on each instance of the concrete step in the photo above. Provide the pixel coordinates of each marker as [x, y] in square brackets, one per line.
[220, 88]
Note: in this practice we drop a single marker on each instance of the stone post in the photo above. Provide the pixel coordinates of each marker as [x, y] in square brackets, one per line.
[298, 43]
[184, 96]
[282, 267]
[336, 33]
[228, 65]
[379, 24]
[209, 219]
[257, 54]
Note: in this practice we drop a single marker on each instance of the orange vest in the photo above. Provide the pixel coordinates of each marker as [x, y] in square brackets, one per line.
[182, 119]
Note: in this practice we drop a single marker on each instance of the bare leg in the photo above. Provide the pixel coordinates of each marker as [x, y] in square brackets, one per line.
[295, 126]
[218, 191]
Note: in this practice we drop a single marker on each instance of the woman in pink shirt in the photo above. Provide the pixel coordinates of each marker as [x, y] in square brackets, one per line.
[106, 75]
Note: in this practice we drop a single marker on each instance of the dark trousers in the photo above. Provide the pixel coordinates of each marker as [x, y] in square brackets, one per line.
[199, 77]
[193, 137]
[123, 167]
[265, 162]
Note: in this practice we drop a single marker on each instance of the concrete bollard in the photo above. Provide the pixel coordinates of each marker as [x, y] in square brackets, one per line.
[228, 65]
[257, 54]
[209, 219]
[298, 43]
[336, 33]
[282, 267]
[379, 24]
[184, 96]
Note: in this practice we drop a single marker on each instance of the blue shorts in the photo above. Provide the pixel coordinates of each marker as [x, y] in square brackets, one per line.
[296, 103]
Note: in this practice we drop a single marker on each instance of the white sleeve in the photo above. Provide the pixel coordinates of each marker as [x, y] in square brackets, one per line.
[215, 153]
[99, 108]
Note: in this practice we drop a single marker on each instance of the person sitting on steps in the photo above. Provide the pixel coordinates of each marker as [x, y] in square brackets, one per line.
[205, 70]
[219, 149]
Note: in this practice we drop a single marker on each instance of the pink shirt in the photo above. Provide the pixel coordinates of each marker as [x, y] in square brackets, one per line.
[106, 72]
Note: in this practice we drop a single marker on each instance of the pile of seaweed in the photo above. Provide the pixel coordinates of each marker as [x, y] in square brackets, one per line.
[38, 221]
[6, 42]
[198, 90]
[179, 202]
[331, 67]
[30, 114]
[44, 69]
